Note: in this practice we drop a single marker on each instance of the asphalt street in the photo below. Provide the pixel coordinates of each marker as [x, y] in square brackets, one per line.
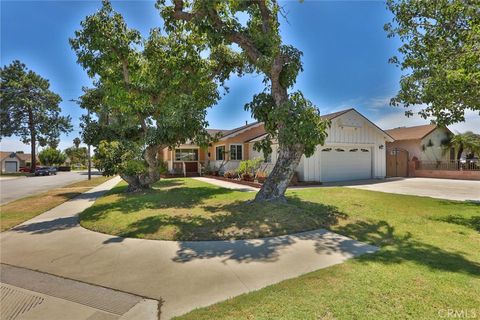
[13, 189]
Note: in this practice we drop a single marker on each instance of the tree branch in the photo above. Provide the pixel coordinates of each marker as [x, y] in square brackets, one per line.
[266, 15]
[232, 35]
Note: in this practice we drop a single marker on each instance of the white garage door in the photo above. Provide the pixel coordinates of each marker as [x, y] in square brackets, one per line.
[345, 163]
[10, 166]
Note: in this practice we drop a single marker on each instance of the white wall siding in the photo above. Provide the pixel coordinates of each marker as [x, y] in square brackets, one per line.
[350, 130]
[309, 168]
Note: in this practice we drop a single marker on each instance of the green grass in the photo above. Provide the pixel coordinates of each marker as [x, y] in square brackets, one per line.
[428, 263]
[187, 209]
[18, 211]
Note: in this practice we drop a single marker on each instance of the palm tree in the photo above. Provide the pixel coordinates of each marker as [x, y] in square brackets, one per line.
[77, 142]
[467, 142]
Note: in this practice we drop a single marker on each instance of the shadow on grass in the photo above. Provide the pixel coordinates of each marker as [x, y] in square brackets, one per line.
[399, 249]
[237, 220]
[471, 222]
[163, 198]
[394, 249]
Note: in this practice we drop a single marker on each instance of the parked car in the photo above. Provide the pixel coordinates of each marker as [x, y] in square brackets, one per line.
[52, 170]
[24, 169]
[42, 171]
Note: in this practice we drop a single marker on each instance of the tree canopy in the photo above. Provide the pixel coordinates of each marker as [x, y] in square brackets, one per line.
[468, 142]
[29, 109]
[440, 56]
[149, 93]
[76, 142]
[256, 46]
[50, 156]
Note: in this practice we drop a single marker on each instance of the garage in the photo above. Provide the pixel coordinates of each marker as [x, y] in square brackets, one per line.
[353, 150]
[11, 166]
[340, 163]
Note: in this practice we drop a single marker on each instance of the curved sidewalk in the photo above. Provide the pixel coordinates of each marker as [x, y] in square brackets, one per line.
[182, 275]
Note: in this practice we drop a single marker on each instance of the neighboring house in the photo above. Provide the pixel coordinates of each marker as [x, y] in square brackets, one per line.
[354, 149]
[426, 142]
[12, 161]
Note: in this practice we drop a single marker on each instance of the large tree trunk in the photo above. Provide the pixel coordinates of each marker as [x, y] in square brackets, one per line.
[277, 182]
[288, 155]
[144, 181]
[33, 157]
[459, 155]
[33, 142]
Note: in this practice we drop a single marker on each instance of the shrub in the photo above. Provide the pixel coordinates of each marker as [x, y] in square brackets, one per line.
[247, 176]
[249, 166]
[261, 176]
[230, 174]
[163, 167]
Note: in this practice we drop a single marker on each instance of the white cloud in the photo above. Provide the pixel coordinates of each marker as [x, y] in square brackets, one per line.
[472, 123]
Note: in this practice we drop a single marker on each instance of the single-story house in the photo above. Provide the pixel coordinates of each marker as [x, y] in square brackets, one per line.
[12, 161]
[354, 149]
[232, 147]
[425, 142]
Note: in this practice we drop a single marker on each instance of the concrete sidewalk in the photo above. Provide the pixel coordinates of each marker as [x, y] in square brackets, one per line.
[182, 275]
[227, 184]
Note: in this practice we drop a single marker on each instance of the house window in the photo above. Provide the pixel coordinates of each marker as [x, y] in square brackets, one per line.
[220, 153]
[339, 150]
[236, 152]
[364, 150]
[327, 149]
[186, 154]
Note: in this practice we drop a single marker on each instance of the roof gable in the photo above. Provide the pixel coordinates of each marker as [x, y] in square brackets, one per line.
[329, 116]
[412, 133]
[388, 137]
[241, 129]
[11, 154]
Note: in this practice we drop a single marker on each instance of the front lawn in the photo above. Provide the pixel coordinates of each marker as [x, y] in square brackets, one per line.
[428, 264]
[188, 209]
[18, 211]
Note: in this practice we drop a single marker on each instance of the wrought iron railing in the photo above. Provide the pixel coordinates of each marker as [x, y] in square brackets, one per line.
[452, 165]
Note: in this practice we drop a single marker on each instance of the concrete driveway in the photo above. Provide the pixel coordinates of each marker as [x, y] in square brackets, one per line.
[13, 189]
[182, 275]
[463, 190]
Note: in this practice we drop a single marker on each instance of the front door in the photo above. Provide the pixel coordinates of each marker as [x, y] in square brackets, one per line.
[191, 167]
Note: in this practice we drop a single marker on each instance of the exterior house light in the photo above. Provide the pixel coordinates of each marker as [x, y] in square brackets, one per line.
[380, 147]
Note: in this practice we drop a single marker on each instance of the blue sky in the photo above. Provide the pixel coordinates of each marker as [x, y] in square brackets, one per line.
[344, 45]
